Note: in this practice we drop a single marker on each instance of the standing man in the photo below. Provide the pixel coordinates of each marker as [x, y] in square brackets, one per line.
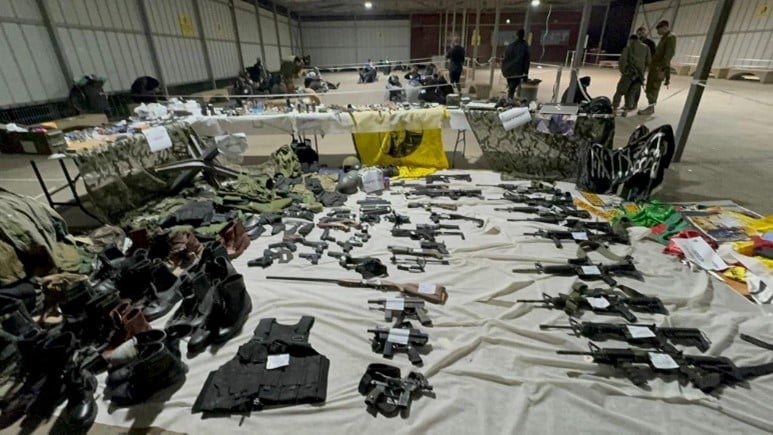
[660, 67]
[515, 64]
[633, 66]
[455, 58]
[644, 38]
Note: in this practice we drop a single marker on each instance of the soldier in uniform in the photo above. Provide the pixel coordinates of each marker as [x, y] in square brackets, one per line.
[633, 66]
[660, 67]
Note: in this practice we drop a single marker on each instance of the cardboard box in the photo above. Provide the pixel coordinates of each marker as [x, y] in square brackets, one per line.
[47, 141]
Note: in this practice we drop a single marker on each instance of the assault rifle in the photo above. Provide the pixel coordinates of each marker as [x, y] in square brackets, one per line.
[402, 337]
[638, 335]
[557, 235]
[533, 187]
[387, 392]
[435, 294]
[601, 301]
[454, 194]
[446, 178]
[548, 211]
[563, 199]
[706, 373]
[424, 234]
[423, 252]
[584, 269]
[429, 205]
[400, 308]
[436, 218]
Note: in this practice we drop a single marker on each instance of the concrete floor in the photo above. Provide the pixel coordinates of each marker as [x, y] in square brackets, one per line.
[729, 154]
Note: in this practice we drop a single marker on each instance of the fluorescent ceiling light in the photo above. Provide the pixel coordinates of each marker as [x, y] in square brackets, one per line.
[368, 5]
[507, 21]
[535, 2]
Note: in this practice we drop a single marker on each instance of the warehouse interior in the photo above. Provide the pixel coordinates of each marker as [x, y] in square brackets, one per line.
[492, 362]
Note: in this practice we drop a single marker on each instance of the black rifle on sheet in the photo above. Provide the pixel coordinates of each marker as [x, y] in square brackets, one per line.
[662, 338]
[430, 179]
[454, 194]
[429, 205]
[400, 308]
[429, 235]
[584, 269]
[436, 218]
[578, 236]
[707, 373]
[548, 211]
[402, 337]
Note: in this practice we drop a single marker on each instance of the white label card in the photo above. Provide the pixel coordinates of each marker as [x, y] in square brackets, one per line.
[427, 288]
[158, 138]
[277, 361]
[662, 361]
[395, 304]
[598, 303]
[580, 235]
[398, 336]
[639, 331]
[372, 181]
[591, 270]
[699, 252]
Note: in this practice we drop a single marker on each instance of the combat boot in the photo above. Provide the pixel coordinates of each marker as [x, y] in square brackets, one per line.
[81, 410]
[14, 318]
[649, 110]
[156, 369]
[134, 281]
[198, 294]
[128, 350]
[162, 293]
[232, 306]
[127, 322]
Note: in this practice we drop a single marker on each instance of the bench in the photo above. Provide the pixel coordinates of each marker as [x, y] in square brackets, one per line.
[765, 75]
[608, 64]
[682, 69]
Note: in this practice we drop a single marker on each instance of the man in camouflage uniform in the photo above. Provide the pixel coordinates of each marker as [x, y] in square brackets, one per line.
[660, 67]
[633, 64]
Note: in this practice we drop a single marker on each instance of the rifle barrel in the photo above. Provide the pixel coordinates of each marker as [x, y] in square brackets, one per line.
[555, 327]
[572, 352]
[532, 301]
[299, 278]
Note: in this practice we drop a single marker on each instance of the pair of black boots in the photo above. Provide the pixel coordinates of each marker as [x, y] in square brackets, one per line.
[144, 280]
[148, 364]
[53, 368]
[215, 302]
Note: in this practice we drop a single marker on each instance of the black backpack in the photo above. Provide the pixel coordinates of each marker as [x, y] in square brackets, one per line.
[88, 95]
[306, 155]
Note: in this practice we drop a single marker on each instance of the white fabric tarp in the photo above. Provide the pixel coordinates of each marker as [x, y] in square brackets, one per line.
[493, 370]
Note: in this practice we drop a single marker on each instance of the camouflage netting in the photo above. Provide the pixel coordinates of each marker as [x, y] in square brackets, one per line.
[119, 177]
[525, 152]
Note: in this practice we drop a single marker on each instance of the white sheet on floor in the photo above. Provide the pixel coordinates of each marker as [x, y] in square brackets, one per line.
[493, 370]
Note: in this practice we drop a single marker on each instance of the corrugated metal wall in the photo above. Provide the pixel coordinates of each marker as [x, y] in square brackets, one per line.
[29, 71]
[107, 38]
[353, 42]
[104, 38]
[748, 38]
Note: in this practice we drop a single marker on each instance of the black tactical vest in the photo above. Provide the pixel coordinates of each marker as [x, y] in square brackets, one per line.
[245, 383]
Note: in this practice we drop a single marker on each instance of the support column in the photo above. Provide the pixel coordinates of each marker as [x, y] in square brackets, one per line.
[203, 39]
[290, 29]
[45, 12]
[453, 25]
[527, 23]
[445, 36]
[300, 35]
[709, 51]
[494, 46]
[260, 34]
[603, 31]
[151, 44]
[439, 33]
[236, 32]
[278, 42]
[579, 52]
[475, 47]
[635, 17]
[464, 27]
[676, 13]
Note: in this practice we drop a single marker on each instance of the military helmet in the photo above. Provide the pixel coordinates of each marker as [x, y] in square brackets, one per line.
[350, 163]
[349, 183]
